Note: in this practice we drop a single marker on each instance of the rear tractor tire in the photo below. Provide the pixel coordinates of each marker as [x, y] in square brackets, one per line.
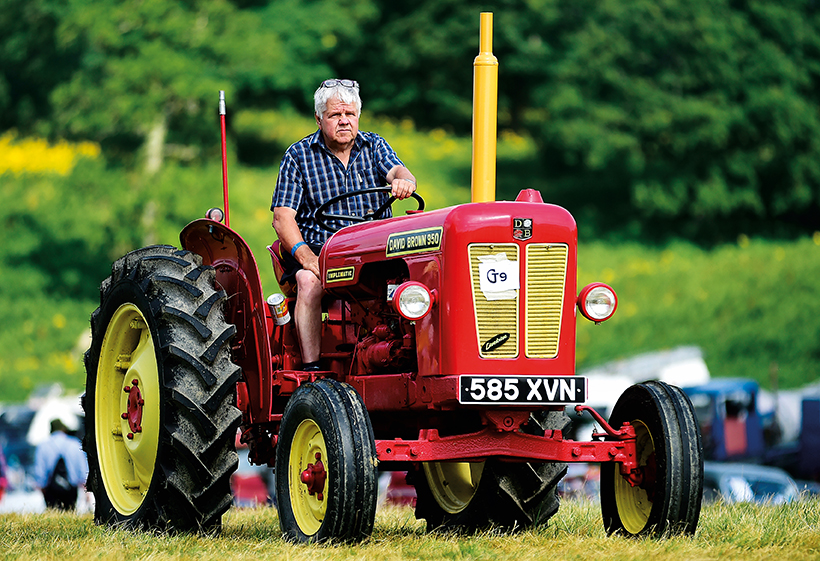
[667, 500]
[159, 403]
[465, 497]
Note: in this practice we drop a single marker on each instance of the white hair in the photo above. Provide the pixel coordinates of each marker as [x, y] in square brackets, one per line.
[345, 94]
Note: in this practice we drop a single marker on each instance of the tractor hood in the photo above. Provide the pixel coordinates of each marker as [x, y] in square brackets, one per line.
[424, 234]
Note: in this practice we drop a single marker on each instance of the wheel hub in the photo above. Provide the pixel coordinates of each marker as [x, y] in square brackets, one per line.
[133, 412]
[314, 478]
[635, 492]
[648, 477]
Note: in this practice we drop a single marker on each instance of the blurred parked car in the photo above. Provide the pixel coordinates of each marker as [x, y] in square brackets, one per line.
[747, 483]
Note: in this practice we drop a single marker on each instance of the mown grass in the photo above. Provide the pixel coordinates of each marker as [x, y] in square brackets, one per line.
[726, 532]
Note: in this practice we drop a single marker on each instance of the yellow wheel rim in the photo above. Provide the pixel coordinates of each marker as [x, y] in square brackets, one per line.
[453, 483]
[633, 503]
[127, 431]
[308, 448]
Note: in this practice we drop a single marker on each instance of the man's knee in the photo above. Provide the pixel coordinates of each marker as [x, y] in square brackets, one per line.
[309, 287]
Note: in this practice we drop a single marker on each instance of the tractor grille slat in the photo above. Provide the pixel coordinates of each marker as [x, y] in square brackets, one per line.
[546, 272]
[543, 276]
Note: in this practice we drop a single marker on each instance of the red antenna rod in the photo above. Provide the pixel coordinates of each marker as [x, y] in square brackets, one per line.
[224, 156]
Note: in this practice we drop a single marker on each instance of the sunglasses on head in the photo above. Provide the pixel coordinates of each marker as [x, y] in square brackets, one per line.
[345, 83]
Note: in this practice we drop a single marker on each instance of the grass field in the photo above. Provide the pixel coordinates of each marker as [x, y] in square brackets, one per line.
[742, 532]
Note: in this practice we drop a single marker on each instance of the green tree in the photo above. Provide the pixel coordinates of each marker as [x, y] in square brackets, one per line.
[697, 119]
[31, 63]
[150, 70]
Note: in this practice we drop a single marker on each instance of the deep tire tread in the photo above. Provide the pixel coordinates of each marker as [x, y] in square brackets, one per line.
[190, 489]
[205, 374]
[209, 356]
[205, 308]
[197, 324]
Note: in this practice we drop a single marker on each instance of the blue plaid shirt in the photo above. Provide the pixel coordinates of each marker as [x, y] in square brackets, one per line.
[310, 174]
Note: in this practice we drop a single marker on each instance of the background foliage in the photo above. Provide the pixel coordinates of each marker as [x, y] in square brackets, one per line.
[683, 136]
[655, 118]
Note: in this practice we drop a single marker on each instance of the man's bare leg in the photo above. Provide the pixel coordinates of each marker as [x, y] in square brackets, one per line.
[308, 314]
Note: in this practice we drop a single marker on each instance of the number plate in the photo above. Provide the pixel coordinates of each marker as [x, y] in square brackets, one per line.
[522, 390]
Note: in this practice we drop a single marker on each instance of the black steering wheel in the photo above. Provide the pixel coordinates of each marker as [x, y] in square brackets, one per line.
[323, 216]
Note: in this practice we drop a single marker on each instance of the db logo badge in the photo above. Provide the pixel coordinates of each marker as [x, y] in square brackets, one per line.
[522, 228]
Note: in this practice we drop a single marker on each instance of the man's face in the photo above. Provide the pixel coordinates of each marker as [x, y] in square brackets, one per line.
[339, 123]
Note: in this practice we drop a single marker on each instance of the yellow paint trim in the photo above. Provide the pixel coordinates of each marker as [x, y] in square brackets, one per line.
[414, 241]
[340, 275]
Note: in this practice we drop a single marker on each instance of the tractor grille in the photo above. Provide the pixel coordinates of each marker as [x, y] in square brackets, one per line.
[543, 277]
[546, 271]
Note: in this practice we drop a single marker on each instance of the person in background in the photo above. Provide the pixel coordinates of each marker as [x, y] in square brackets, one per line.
[60, 467]
[335, 159]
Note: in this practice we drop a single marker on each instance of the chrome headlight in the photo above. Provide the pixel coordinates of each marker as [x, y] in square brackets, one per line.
[597, 302]
[413, 300]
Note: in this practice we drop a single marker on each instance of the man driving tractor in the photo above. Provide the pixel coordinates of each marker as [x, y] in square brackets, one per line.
[336, 159]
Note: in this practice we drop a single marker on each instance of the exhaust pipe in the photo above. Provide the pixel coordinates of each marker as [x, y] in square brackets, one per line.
[485, 114]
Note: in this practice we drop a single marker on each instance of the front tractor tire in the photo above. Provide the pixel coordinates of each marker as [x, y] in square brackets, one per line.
[159, 402]
[666, 499]
[326, 483]
[465, 497]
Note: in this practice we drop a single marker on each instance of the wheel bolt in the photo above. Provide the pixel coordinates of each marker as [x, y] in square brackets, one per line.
[130, 436]
[126, 389]
[135, 382]
[124, 415]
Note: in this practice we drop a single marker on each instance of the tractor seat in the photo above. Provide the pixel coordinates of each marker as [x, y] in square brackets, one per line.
[276, 249]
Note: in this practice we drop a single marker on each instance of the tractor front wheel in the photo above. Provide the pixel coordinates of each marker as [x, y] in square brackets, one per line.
[326, 483]
[664, 496]
[159, 401]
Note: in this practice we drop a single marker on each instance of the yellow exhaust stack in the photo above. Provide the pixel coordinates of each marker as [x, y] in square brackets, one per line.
[485, 114]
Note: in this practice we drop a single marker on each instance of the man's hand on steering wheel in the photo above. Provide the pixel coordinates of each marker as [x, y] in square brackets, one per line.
[402, 188]
[323, 215]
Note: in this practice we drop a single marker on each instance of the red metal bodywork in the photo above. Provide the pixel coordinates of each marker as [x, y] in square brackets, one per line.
[238, 274]
[406, 372]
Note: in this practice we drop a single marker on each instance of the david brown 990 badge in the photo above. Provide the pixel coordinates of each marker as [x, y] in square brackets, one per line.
[522, 390]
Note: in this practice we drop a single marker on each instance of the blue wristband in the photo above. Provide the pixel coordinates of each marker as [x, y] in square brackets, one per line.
[294, 248]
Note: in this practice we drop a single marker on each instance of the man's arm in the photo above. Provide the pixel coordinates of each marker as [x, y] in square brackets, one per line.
[287, 230]
[402, 181]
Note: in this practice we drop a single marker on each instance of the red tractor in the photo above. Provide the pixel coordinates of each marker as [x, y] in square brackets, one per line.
[449, 344]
